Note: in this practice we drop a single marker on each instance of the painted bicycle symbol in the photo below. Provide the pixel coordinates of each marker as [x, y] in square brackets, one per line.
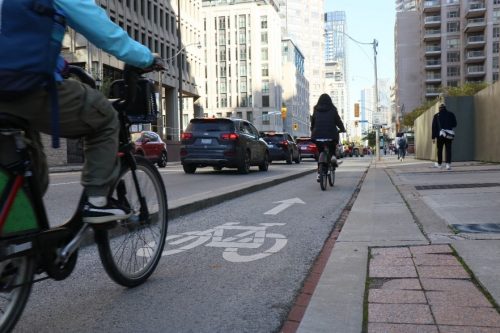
[241, 238]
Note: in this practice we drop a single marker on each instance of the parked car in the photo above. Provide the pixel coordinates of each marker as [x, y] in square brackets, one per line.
[282, 147]
[223, 143]
[307, 148]
[151, 146]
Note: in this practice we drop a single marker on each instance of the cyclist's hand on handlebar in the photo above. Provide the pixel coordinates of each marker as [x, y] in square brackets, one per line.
[156, 65]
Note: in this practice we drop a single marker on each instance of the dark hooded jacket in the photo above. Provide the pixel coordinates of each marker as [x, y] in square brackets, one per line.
[325, 120]
[444, 119]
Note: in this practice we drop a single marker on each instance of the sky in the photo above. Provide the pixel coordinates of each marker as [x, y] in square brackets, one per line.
[367, 20]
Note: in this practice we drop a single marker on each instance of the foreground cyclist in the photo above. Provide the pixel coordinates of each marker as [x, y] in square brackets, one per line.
[83, 111]
[326, 124]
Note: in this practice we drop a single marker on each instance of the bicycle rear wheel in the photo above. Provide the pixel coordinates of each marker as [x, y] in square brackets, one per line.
[331, 176]
[16, 271]
[131, 251]
[323, 175]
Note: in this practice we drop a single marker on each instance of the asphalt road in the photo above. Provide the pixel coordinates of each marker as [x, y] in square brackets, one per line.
[234, 267]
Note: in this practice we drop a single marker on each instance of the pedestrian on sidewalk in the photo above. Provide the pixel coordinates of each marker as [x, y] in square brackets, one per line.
[402, 146]
[443, 122]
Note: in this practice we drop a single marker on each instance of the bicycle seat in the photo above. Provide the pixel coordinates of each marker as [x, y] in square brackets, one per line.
[8, 121]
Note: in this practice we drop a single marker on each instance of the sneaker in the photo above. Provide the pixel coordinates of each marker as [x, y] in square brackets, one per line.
[438, 166]
[111, 211]
[317, 178]
[448, 167]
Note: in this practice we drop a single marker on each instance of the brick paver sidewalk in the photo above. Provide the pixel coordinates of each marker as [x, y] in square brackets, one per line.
[425, 289]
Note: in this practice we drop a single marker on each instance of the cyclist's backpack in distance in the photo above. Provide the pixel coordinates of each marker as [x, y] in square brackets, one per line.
[402, 142]
[31, 33]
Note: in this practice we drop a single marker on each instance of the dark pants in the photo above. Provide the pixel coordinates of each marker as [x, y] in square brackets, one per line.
[447, 144]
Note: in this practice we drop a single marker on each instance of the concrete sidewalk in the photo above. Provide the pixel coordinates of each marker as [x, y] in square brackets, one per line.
[419, 252]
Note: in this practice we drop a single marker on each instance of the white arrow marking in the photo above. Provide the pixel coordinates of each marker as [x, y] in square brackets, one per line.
[284, 204]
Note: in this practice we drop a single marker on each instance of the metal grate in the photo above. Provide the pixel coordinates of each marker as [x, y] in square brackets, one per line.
[477, 228]
[452, 186]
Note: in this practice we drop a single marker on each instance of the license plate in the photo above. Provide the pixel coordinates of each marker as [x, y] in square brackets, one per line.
[270, 145]
[206, 141]
[303, 148]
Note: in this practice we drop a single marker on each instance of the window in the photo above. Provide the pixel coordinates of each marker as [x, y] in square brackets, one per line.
[263, 22]
[453, 56]
[265, 86]
[496, 15]
[496, 31]
[243, 68]
[265, 70]
[265, 101]
[453, 71]
[453, 14]
[243, 86]
[495, 62]
[496, 47]
[239, 114]
[453, 43]
[223, 69]
[241, 21]
[264, 54]
[265, 116]
[229, 114]
[243, 100]
[250, 116]
[222, 54]
[263, 37]
[223, 87]
[223, 102]
[242, 37]
[222, 23]
[243, 52]
[453, 26]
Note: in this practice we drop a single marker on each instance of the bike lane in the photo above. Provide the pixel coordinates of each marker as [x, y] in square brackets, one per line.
[227, 268]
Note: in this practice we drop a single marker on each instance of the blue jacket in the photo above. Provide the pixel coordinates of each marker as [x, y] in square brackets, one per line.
[91, 21]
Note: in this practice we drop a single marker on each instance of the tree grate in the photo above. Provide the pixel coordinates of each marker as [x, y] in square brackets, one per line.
[453, 186]
[478, 228]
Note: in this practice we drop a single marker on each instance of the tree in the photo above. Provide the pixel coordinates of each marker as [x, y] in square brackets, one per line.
[371, 137]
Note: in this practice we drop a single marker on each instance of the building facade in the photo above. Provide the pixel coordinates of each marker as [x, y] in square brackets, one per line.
[155, 24]
[336, 83]
[295, 90]
[243, 55]
[303, 22]
[458, 42]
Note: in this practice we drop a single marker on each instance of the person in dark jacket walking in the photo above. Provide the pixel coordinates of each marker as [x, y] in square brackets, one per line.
[445, 120]
[326, 124]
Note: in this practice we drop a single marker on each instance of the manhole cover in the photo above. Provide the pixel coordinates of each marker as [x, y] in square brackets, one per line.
[452, 186]
[478, 228]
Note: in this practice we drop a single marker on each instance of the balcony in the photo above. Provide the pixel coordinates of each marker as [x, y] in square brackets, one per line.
[475, 24]
[475, 41]
[433, 64]
[432, 50]
[431, 6]
[432, 34]
[477, 9]
[432, 91]
[432, 21]
[433, 77]
[475, 71]
[475, 56]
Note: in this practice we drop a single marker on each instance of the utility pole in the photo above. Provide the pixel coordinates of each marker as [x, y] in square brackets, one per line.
[377, 135]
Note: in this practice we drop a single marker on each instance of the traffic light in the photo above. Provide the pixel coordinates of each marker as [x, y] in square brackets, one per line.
[295, 126]
[283, 112]
[356, 110]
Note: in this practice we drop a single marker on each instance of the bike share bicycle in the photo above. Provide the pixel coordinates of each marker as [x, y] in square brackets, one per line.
[129, 249]
[327, 163]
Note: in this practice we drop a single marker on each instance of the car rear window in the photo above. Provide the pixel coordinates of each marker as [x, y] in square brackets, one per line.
[304, 141]
[210, 125]
[273, 138]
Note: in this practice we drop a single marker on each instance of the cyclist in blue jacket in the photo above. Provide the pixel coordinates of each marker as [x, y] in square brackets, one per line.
[83, 111]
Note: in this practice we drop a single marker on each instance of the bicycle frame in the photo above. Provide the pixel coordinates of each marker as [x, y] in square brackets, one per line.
[42, 241]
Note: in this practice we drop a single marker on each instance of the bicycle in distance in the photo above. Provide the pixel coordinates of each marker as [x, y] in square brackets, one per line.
[129, 249]
[327, 163]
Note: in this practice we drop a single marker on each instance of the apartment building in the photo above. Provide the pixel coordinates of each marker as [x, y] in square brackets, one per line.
[243, 55]
[295, 90]
[459, 42]
[154, 23]
[304, 24]
[336, 82]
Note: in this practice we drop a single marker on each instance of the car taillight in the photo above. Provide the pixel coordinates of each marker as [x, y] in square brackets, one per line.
[284, 143]
[229, 136]
[312, 146]
[186, 136]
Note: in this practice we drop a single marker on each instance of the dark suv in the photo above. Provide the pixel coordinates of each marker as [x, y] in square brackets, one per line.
[151, 146]
[282, 147]
[222, 142]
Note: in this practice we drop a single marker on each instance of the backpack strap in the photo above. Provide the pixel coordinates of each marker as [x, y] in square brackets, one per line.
[54, 112]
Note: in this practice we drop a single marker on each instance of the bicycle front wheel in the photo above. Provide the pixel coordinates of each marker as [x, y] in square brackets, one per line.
[131, 251]
[16, 276]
